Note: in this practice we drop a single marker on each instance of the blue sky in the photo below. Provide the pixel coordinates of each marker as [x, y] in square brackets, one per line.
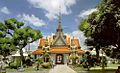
[43, 14]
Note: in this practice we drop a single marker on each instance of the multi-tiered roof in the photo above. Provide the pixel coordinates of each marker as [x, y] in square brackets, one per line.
[59, 43]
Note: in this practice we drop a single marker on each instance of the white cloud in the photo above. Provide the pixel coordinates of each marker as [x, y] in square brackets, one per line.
[5, 10]
[32, 19]
[80, 35]
[51, 7]
[85, 13]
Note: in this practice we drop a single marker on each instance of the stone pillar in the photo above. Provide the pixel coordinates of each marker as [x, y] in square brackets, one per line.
[53, 57]
[65, 59]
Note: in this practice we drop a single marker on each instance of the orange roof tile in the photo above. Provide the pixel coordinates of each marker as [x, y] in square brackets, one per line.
[38, 51]
[79, 51]
[50, 40]
[68, 41]
[76, 42]
[42, 42]
[60, 50]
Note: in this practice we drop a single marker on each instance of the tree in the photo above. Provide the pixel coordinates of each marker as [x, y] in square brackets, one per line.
[88, 32]
[6, 45]
[104, 25]
[12, 32]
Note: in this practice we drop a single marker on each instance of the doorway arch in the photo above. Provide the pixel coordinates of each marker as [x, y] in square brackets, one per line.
[59, 59]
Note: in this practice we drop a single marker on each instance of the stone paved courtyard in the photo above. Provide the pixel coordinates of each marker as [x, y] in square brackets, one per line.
[62, 69]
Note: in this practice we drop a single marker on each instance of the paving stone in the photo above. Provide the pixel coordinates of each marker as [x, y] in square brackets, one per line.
[62, 69]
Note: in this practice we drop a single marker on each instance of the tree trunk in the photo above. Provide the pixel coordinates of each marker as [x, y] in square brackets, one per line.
[103, 62]
[97, 54]
[22, 57]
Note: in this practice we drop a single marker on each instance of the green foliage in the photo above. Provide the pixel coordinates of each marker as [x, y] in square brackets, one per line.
[84, 25]
[74, 58]
[90, 42]
[84, 58]
[13, 24]
[104, 26]
[46, 54]
[2, 34]
[40, 60]
[12, 32]
[27, 34]
[16, 63]
[106, 22]
[6, 46]
[86, 28]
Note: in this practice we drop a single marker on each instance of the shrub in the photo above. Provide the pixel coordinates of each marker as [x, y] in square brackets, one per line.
[28, 62]
[15, 64]
[74, 58]
[40, 60]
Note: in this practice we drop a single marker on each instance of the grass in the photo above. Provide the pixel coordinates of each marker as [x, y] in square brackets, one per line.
[111, 68]
[98, 71]
[29, 69]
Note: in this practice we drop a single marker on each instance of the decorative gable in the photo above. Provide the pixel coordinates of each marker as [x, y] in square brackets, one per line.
[59, 37]
[59, 41]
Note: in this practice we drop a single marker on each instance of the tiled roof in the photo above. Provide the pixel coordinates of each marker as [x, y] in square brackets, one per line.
[60, 50]
[76, 41]
[38, 51]
[68, 41]
[42, 42]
